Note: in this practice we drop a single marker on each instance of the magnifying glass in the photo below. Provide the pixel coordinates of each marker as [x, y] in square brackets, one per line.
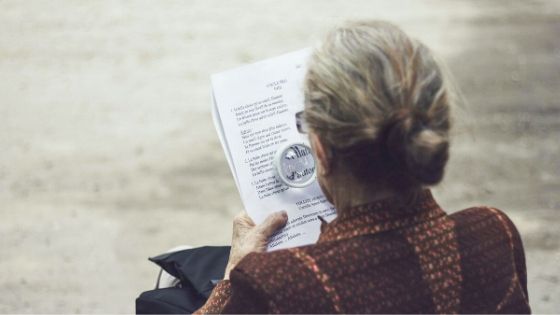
[295, 165]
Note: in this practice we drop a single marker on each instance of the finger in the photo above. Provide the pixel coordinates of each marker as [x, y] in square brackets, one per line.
[273, 223]
[242, 219]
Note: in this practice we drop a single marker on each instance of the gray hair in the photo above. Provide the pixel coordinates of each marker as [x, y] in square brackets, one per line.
[379, 96]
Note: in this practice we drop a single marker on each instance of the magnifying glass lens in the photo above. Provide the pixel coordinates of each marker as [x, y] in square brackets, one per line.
[295, 165]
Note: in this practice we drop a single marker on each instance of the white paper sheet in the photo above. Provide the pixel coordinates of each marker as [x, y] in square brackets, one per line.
[254, 109]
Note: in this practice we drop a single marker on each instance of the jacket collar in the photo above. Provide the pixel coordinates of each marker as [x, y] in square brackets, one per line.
[381, 216]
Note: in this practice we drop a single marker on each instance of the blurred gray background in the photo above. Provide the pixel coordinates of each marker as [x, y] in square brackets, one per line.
[108, 153]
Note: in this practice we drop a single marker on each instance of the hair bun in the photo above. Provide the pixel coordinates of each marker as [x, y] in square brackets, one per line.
[378, 98]
[421, 150]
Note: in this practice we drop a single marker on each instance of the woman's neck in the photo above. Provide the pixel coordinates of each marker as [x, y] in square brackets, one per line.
[347, 192]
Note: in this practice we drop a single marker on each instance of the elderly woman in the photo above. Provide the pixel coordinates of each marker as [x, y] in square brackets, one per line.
[377, 107]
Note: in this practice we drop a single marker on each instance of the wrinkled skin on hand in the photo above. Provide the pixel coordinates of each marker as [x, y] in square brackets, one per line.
[248, 237]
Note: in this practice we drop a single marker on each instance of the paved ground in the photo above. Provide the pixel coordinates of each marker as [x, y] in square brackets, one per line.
[108, 154]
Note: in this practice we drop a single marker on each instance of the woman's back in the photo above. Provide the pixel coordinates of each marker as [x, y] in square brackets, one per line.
[384, 258]
[377, 107]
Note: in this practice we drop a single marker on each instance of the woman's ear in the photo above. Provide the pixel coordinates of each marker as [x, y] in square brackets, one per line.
[321, 154]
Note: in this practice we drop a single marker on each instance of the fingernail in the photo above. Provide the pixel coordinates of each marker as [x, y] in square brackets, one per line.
[284, 213]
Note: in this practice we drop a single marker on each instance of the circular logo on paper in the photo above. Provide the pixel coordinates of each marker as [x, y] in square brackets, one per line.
[296, 165]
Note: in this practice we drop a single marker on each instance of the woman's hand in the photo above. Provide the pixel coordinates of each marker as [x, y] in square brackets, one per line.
[248, 237]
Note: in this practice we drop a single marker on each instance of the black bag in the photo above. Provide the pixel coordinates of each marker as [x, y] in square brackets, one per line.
[198, 269]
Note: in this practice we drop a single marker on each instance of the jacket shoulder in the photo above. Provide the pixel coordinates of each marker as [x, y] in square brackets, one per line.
[484, 228]
[482, 217]
[492, 259]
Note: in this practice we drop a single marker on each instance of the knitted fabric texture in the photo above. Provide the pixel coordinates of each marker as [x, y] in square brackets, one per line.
[388, 257]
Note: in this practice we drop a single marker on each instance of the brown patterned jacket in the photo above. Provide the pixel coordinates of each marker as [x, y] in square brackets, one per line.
[385, 258]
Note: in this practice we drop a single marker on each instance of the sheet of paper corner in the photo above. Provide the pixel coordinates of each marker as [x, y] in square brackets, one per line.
[216, 115]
